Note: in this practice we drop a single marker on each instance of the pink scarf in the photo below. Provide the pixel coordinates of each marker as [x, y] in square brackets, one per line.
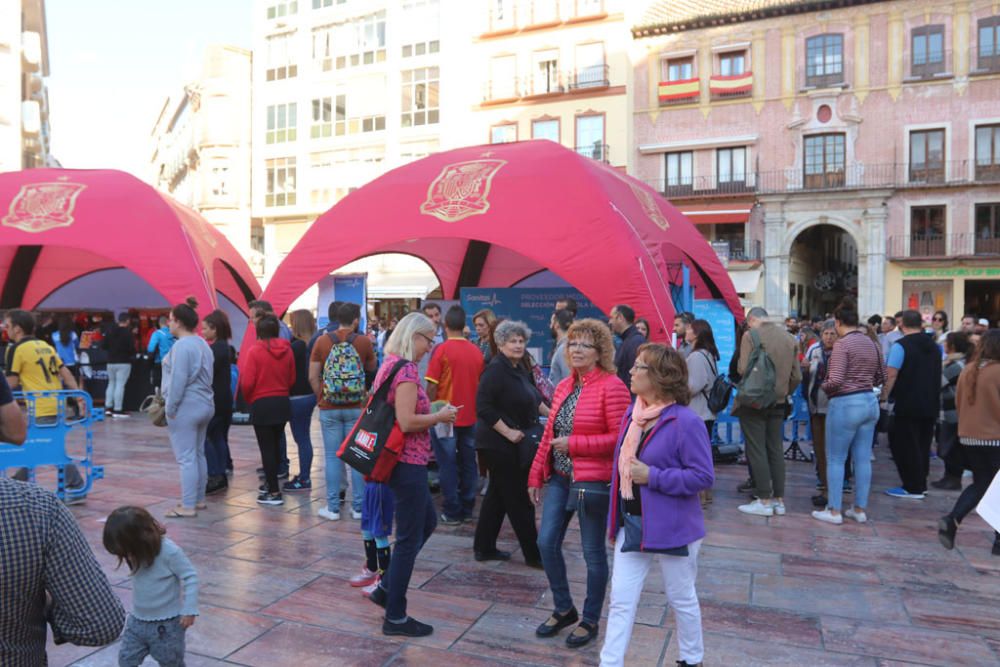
[642, 415]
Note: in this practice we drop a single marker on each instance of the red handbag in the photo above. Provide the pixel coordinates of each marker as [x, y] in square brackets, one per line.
[375, 443]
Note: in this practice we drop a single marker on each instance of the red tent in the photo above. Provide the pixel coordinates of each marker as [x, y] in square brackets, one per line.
[57, 225]
[493, 215]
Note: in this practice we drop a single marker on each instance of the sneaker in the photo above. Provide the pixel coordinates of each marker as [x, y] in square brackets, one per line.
[328, 515]
[265, 498]
[297, 485]
[283, 474]
[748, 485]
[446, 520]
[900, 492]
[356, 515]
[365, 578]
[75, 496]
[779, 508]
[758, 508]
[848, 486]
[409, 628]
[860, 517]
[260, 472]
[828, 517]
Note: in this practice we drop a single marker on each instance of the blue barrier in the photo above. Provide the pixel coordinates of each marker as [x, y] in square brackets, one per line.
[46, 441]
[797, 426]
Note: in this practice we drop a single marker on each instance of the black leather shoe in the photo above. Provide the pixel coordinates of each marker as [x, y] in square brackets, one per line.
[216, 484]
[946, 532]
[481, 556]
[379, 596]
[556, 622]
[574, 640]
[948, 484]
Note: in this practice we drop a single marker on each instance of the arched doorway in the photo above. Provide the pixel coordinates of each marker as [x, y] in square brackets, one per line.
[822, 270]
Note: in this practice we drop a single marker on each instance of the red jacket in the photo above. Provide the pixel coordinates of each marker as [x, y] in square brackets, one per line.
[599, 412]
[268, 369]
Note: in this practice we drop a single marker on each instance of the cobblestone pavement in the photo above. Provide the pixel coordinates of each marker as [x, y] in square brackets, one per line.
[778, 591]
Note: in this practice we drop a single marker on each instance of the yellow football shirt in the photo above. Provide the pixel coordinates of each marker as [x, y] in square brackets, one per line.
[37, 365]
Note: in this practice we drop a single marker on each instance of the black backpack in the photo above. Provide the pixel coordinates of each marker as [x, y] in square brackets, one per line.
[720, 392]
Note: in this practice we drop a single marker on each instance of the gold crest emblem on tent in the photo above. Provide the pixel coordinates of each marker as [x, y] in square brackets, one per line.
[39, 207]
[649, 206]
[461, 189]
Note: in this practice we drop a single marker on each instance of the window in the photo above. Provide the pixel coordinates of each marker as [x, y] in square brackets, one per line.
[988, 153]
[419, 29]
[731, 167]
[280, 182]
[987, 229]
[546, 128]
[591, 72]
[927, 231]
[590, 137]
[546, 74]
[279, 65]
[824, 161]
[680, 172]
[503, 134]
[501, 14]
[322, 118]
[927, 156]
[421, 48]
[220, 181]
[282, 120]
[825, 60]
[732, 64]
[320, 4]
[927, 50]
[276, 10]
[360, 41]
[989, 44]
[679, 69]
[420, 97]
[322, 176]
[503, 78]
[322, 54]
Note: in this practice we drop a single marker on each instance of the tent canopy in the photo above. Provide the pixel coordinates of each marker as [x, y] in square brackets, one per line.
[57, 225]
[493, 215]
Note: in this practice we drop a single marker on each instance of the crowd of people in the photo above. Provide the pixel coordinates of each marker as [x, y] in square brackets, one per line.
[616, 436]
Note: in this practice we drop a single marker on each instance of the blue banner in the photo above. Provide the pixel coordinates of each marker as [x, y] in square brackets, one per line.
[533, 306]
[717, 314]
[350, 287]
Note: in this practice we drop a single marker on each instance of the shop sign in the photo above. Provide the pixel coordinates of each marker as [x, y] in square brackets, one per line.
[954, 272]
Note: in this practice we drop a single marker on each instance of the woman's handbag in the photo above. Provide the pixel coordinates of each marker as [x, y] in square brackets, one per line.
[528, 445]
[885, 418]
[375, 442]
[155, 407]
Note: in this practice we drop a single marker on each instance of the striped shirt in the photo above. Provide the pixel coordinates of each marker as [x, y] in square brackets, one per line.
[43, 553]
[856, 365]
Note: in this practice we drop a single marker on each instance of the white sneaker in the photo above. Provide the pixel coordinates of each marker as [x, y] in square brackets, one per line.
[828, 516]
[860, 517]
[355, 515]
[328, 515]
[779, 508]
[758, 508]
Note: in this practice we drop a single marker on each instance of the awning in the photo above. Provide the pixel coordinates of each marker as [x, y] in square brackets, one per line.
[745, 281]
[718, 214]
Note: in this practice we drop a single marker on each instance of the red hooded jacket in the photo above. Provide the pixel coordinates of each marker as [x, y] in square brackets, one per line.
[599, 411]
[268, 369]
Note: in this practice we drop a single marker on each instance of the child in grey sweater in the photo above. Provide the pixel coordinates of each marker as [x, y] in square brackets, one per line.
[160, 616]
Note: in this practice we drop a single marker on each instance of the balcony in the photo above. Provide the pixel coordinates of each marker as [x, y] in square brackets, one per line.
[862, 176]
[937, 246]
[702, 186]
[683, 91]
[595, 76]
[503, 90]
[501, 19]
[597, 152]
[729, 87]
[751, 252]
[928, 66]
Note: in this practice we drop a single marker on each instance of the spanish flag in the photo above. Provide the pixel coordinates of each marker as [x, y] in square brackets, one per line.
[679, 90]
[723, 85]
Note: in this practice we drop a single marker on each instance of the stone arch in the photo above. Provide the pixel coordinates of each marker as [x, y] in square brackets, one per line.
[834, 221]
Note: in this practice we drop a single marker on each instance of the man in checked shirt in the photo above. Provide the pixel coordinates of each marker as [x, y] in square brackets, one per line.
[48, 573]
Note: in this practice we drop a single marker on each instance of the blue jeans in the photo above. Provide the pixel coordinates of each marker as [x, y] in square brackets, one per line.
[458, 471]
[850, 427]
[416, 520]
[591, 509]
[217, 444]
[302, 412]
[336, 425]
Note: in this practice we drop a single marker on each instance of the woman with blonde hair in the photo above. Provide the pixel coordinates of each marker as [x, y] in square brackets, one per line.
[484, 322]
[302, 398]
[416, 517]
[574, 463]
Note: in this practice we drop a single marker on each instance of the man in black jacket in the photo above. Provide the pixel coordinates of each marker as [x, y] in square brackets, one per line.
[914, 388]
[120, 344]
[622, 322]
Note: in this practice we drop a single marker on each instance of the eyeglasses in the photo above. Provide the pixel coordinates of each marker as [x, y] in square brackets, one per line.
[938, 319]
[639, 367]
[430, 341]
[581, 346]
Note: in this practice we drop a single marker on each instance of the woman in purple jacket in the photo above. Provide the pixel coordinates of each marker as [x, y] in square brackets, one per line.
[663, 459]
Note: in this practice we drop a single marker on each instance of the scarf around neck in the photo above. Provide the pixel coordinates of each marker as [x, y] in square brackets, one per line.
[642, 416]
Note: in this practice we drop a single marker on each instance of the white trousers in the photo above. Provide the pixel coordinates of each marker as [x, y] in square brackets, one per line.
[627, 579]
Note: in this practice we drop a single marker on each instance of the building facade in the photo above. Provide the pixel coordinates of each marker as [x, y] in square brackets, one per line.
[553, 69]
[855, 150]
[24, 99]
[201, 146]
